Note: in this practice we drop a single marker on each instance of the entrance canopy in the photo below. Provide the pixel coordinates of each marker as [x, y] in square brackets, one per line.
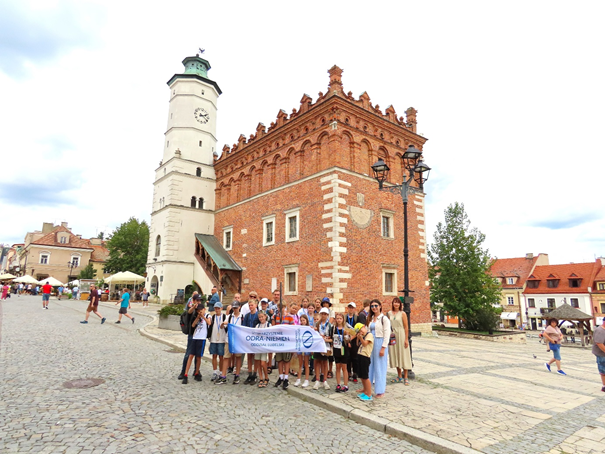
[217, 253]
[509, 315]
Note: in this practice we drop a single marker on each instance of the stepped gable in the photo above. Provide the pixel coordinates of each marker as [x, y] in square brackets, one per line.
[336, 130]
[51, 239]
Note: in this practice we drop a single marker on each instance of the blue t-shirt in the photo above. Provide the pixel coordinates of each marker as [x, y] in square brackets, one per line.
[125, 299]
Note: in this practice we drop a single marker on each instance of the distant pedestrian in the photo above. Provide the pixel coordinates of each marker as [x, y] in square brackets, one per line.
[75, 291]
[145, 297]
[59, 292]
[553, 335]
[5, 289]
[124, 306]
[46, 289]
[214, 298]
[93, 305]
[598, 349]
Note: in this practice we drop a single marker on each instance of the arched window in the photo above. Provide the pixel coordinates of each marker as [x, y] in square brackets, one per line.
[200, 203]
[193, 201]
[198, 172]
[158, 244]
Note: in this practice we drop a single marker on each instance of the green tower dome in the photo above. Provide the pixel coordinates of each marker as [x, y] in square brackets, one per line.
[196, 65]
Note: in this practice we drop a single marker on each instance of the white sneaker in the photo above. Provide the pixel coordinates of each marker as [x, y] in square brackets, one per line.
[326, 386]
[305, 384]
[297, 383]
[316, 386]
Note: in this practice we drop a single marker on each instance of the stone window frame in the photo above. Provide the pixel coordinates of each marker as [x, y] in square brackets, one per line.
[267, 220]
[295, 212]
[44, 254]
[510, 300]
[293, 268]
[228, 234]
[78, 257]
[390, 215]
[389, 269]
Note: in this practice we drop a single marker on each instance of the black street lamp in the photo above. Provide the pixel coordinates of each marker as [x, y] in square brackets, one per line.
[418, 172]
[73, 264]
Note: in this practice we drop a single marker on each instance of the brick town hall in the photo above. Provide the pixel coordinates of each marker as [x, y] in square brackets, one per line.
[294, 203]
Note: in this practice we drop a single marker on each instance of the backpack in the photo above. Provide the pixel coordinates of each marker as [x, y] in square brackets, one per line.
[184, 321]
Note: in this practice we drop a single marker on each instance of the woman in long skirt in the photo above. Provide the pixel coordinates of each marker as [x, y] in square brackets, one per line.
[399, 354]
[380, 326]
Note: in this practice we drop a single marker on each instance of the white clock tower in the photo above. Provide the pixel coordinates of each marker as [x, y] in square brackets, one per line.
[183, 194]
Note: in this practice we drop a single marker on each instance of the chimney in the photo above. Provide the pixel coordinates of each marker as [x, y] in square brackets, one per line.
[529, 256]
[64, 224]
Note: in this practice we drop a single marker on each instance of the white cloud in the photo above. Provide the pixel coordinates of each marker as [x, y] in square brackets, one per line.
[510, 96]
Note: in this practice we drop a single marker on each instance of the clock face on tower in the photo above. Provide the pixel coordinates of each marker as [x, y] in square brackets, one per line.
[201, 115]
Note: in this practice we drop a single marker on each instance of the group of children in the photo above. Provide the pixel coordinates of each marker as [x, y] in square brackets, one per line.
[348, 343]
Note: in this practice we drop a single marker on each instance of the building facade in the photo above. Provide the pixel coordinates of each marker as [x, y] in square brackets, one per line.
[56, 251]
[548, 287]
[512, 276]
[295, 204]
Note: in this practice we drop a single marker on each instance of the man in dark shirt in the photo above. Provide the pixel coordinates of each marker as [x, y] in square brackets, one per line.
[93, 306]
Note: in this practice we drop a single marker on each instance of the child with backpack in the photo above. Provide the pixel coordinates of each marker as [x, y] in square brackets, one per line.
[200, 334]
[217, 333]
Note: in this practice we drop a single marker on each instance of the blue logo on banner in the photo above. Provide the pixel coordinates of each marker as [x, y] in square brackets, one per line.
[307, 339]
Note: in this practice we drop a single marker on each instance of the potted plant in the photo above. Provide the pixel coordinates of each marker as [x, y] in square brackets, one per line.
[170, 317]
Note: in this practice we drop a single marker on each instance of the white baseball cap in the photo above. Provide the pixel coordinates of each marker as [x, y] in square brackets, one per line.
[352, 304]
[324, 310]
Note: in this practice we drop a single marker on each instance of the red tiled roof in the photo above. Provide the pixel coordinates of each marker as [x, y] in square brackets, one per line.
[600, 274]
[51, 239]
[516, 267]
[99, 254]
[583, 271]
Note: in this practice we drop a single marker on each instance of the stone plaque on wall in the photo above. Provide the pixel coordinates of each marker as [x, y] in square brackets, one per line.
[309, 286]
[361, 217]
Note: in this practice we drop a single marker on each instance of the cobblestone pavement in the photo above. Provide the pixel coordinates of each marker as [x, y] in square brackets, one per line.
[495, 398]
[141, 407]
[499, 398]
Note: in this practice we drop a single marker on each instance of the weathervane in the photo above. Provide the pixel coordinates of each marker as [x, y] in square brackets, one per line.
[201, 50]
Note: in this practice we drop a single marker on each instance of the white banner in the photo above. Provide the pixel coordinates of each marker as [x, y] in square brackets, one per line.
[276, 339]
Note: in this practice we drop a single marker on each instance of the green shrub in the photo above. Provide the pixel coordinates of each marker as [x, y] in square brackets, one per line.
[171, 309]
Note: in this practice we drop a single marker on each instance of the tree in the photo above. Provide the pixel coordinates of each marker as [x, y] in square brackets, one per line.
[128, 246]
[88, 272]
[459, 272]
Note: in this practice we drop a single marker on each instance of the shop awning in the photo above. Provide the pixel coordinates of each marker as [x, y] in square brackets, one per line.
[509, 315]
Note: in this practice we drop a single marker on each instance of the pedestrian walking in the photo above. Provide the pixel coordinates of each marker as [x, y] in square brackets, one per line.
[380, 327]
[93, 305]
[145, 297]
[124, 306]
[5, 289]
[75, 291]
[399, 354]
[598, 349]
[59, 292]
[553, 335]
[46, 289]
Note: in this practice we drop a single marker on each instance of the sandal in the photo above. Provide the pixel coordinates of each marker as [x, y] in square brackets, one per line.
[269, 370]
[397, 380]
[406, 382]
[262, 384]
[330, 375]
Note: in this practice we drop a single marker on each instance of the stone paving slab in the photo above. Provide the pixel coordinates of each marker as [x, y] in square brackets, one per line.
[494, 398]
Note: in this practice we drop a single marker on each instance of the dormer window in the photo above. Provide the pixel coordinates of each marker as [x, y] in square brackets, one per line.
[574, 282]
[533, 284]
[63, 238]
[510, 280]
[552, 283]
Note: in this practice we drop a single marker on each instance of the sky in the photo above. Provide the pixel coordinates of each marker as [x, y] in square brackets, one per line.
[509, 94]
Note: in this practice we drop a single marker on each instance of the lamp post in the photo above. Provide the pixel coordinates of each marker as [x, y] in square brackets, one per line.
[72, 264]
[417, 171]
